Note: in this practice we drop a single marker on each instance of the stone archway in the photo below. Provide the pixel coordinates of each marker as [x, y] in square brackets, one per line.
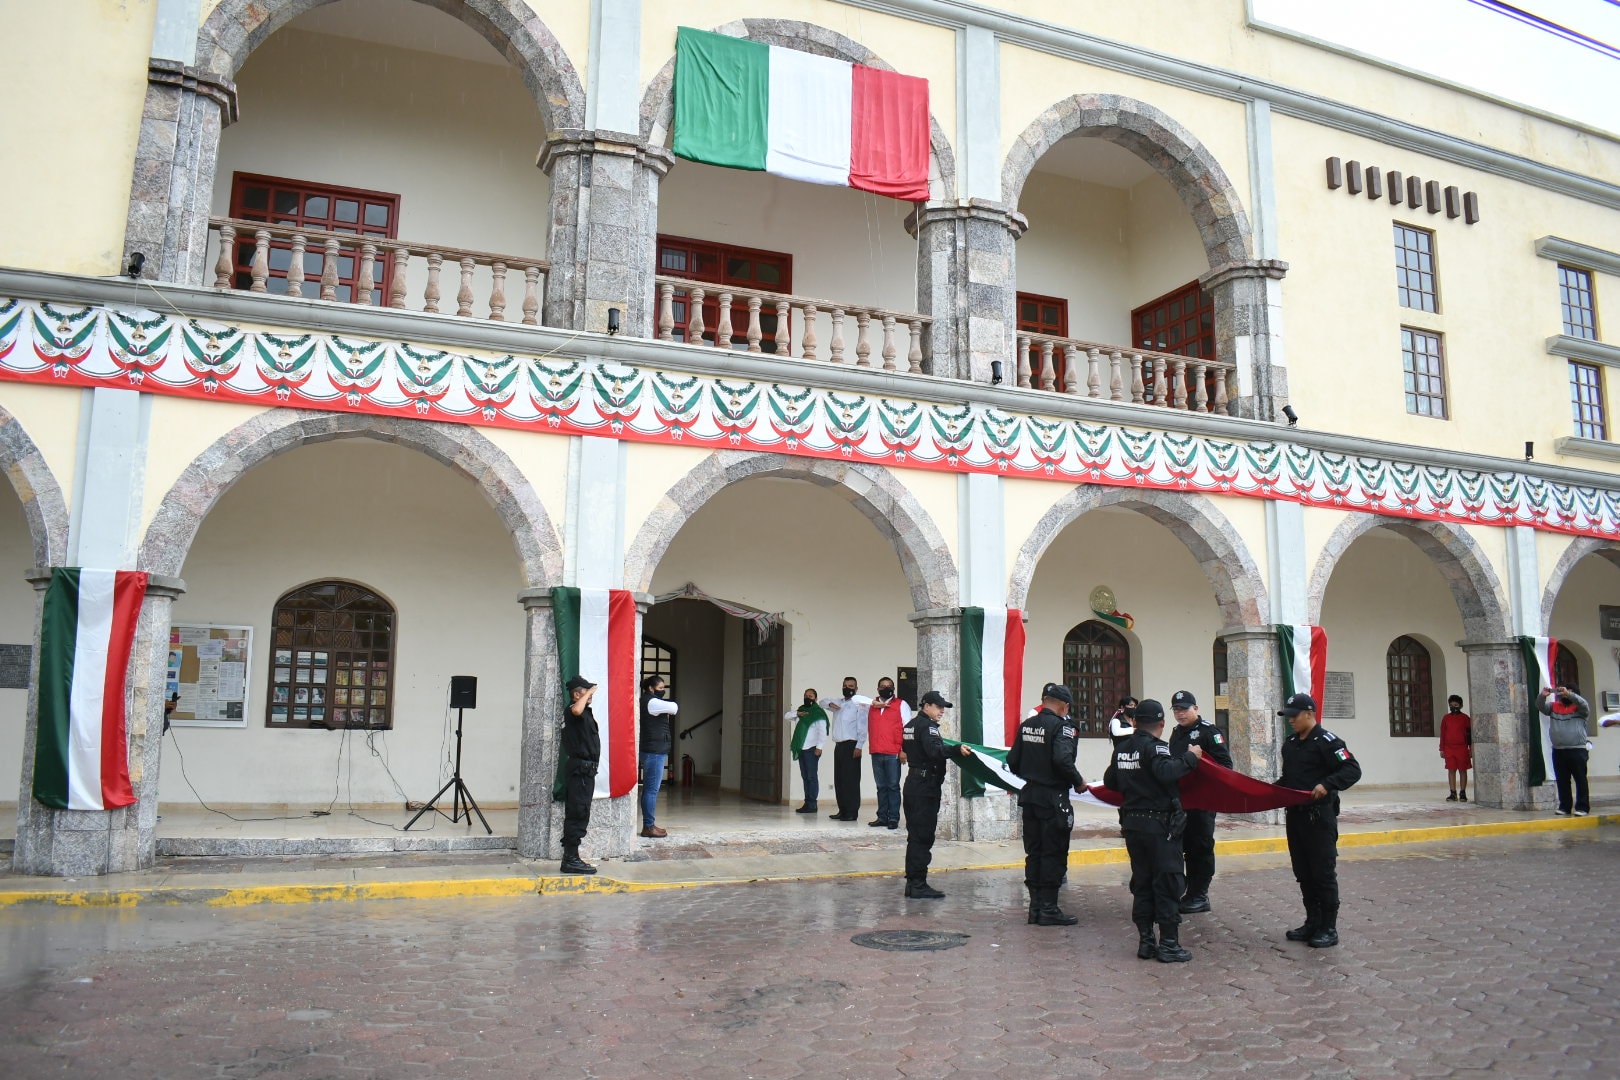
[658, 102]
[36, 487]
[1238, 585]
[892, 509]
[1481, 600]
[1578, 550]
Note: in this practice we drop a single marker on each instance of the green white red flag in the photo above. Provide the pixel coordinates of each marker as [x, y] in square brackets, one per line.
[746, 105]
[1540, 658]
[992, 677]
[1302, 653]
[596, 638]
[81, 755]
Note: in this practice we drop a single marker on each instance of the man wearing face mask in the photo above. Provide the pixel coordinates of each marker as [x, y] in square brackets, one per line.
[1123, 723]
[849, 739]
[810, 726]
[886, 719]
[656, 745]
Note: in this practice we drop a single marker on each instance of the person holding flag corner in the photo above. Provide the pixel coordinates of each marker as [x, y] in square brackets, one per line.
[1315, 760]
[923, 749]
[1198, 841]
[1042, 755]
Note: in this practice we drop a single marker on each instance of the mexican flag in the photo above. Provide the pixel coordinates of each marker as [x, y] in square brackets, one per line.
[596, 638]
[81, 758]
[992, 676]
[745, 105]
[1302, 650]
[1540, 656]
[986, 767]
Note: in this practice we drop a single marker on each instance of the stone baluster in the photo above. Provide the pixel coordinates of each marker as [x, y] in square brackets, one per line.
[1048, 371]
[368, 274]
[1021, 363]
[531, 296]
[1221, 393]
[666, 312]
[914, 358]
[497, 291]
[1093, 373]
[1137, 388]
[1180, 376]
[807, 346]
[722, 324]
[431, 295]
[295, 268]
[1200, 390]
[863, 344]
[396, 291]
[754, 332]
[1116, 383]
[464, 295]
[784, 328]
[1071, 369]
[225, 269]
[260, 271]
[329, 270]
[836, 348]
[694, 315]
[888, 343]
[1161, 381]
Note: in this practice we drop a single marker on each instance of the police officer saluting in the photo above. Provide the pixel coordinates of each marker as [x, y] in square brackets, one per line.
[1148, 773]
[922, 748]
[1198, 841]
[1043, 755]
[1315, 760]
[581, 748]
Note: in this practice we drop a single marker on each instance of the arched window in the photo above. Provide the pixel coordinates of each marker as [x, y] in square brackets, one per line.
[1097, 671]
[331, 658]
[1567, 671]
[658, 659]
[1411, 689]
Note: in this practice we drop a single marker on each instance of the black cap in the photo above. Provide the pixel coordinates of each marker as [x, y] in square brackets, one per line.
[579, 682]
[934, 697]
[1057, 692]
[1182, 699]
[1297, 704]
[1148, 712]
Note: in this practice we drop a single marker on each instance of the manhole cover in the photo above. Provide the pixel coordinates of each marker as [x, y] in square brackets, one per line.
[910, 940]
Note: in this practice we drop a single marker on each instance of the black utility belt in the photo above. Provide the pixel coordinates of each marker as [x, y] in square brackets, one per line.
[1156, 815]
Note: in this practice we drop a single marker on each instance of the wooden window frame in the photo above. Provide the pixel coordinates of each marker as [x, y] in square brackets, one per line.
[320, 661]
[1033, 326]
[1146, 323]
[1409, 671]
[1577, 297]
[314, 256]
[722, 254]
[653, 664]
[1417, 383]
[1417, 274]
[1112, 683]
[1586, 400]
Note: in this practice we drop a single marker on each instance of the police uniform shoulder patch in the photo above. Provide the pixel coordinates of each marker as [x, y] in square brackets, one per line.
[1342, 753]
[1160, 748]
[1328, 735]
[933, 729]
[1216, 737]
[1069, 732]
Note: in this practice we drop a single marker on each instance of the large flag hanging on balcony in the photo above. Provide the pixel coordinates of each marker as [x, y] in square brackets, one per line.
[1303, 652]
[596, 638]
[1540, 670]
[81, 758]
[746, 105]
[992, 652]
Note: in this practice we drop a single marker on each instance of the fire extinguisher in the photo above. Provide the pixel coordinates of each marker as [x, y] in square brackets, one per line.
[686, 770]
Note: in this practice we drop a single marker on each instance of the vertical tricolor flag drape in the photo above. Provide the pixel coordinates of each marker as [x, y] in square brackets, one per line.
[992, 677]
[1302, 651]
[746, 105]
[81, 758]
[596, 638]
[1540, 658]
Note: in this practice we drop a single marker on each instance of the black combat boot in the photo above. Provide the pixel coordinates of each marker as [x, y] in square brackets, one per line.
[1034, 905]
[1194, 903]
[1170, 950]
[1049, 914]
[573, 864]
[921, 890]
[1313, 918]
[1147, 948]
[1327, 929]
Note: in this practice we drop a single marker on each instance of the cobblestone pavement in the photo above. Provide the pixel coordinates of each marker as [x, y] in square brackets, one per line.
[1490, 957]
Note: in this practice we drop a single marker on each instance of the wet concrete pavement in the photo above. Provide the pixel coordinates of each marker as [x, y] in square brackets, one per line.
[1487, 957]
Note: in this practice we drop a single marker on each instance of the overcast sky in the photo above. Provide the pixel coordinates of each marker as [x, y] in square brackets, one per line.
[1471, 43]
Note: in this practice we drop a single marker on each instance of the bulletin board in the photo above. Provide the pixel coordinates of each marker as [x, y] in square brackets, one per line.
[208, 668]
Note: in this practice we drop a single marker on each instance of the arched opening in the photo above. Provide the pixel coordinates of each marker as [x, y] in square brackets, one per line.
[1409, 675]
[1097, 671]
[332, 658]
[1581, 608]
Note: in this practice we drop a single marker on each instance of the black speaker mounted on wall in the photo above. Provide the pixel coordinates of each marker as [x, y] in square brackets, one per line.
[464, 691]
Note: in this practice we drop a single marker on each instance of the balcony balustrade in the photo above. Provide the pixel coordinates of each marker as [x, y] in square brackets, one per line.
[1141, 376]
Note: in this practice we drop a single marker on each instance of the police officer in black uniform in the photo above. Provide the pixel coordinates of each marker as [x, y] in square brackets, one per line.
[1043, 755]
[923, 749]
[1315, 760]
[1148, 773]
[1198, 840]
[581, 749]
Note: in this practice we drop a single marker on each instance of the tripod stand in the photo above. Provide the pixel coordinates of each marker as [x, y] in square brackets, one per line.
[462, 802]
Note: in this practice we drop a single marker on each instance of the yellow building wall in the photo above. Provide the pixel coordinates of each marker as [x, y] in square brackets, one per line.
[50, 416]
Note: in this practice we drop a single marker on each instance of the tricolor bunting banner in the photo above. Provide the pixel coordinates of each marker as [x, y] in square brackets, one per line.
[1302, 651]
[992, 676]
[596, 638]
[746, 105]
[81, 759]
[1540, 664]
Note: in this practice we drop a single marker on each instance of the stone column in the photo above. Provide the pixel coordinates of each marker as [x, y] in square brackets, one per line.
[1248, 329]
[1499, 704]
[1254, 693]
[175, 157]
[542, 723]
[82, 843]
[603, 243]
[967, 282]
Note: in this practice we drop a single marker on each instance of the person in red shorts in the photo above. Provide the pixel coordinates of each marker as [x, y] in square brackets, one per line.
[1457, 748]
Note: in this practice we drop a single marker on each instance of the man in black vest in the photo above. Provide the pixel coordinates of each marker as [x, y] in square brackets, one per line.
[1198, 841]
[1148, 774]
[1043, 755]
[581, 749]
[656, 745]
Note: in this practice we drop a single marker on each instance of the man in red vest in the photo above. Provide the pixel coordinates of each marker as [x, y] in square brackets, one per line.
[885, 723]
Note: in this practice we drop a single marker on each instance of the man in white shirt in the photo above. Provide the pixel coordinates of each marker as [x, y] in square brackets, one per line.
[849, 739]
[810, 725]
[657, 743]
